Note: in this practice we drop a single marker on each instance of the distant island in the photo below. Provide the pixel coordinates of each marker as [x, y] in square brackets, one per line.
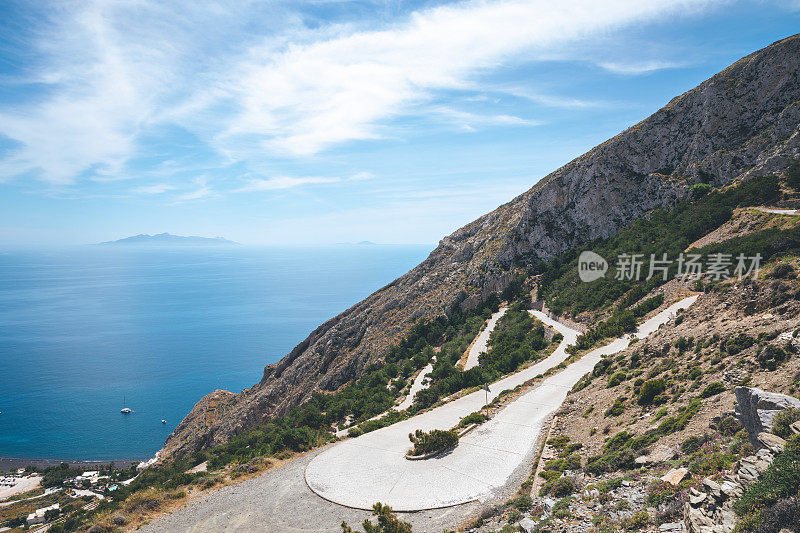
[167, 239]
[360, 243]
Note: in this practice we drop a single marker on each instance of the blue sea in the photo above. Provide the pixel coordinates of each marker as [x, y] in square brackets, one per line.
[86, 330]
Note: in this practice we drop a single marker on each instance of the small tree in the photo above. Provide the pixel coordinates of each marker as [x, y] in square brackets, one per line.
[387, 522]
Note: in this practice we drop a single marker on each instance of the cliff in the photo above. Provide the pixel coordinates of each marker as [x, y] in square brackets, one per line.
[741, 122]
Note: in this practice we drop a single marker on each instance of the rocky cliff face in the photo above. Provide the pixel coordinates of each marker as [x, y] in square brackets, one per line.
[742, 122]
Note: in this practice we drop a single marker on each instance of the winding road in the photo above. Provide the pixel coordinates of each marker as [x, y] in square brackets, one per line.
[358, 472]
[481, 343]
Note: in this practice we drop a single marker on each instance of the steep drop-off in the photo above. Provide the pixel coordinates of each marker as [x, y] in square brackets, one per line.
[742, 122]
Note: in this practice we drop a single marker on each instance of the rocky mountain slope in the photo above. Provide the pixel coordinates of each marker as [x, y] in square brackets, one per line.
[618, 458]
[742, 122]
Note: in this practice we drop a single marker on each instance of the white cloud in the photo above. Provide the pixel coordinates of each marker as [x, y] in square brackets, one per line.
[254, 82]
[283, 182]
[645, 67]
[158, 188]
[338, 89]
[202, 191]
[469, 121]
[290, 182]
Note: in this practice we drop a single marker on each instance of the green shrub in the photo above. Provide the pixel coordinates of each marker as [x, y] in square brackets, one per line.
[434, 441]
[387, 522]
[712, 390]
[616, 379]
[473, 418]
[782, 271]
[793, 176]
[780, 481]
[563, 486]
[651, 389]
[784, 419]
[699, 190]
[522, 503]
[617, 408]
[637, 522]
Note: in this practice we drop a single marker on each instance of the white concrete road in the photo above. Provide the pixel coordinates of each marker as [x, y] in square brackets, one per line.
[418, 384]
[481, 343]
[359, 472]
[779, 211]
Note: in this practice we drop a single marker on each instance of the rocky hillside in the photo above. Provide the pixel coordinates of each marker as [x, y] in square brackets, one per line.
[742, 122]
[679, 432]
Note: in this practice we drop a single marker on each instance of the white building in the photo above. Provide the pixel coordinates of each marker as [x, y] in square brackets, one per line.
[37, 517]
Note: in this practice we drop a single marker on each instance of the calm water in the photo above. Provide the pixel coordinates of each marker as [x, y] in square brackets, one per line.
[84, 329]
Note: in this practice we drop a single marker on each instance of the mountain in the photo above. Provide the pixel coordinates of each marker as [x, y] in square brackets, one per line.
[741, 123]
[167, 239]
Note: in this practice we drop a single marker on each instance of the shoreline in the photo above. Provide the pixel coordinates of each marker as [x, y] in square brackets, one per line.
[8, 464]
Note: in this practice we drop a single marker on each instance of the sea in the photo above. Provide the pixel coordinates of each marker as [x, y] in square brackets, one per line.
[86, 331]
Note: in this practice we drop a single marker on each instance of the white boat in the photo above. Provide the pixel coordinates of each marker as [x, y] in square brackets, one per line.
[163, 421]
[125, 410]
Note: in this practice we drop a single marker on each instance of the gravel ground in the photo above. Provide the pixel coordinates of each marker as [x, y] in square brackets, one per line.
[279, 500]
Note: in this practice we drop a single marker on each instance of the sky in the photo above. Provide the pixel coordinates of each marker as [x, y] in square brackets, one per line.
[322, 121]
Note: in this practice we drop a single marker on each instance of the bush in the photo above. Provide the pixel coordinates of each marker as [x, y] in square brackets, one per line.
[434, 441]
[473, 418]
[616, 379]
[793, 176]
[780, 515]
[522, 503]
[387, 522]
[637, 522]
[563, 486]
[650, 390]
[784, 419]
[700, 189]
[780, 481]
[617, 408]
[712, 390]
[782, 271]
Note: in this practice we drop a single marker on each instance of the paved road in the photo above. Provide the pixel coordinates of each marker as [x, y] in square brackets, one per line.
[779, 211]
[358, 472]
[281, 501]
[418, 384]
[481, 343]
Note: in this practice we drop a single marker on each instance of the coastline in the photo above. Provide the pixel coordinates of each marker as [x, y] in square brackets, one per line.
[8, 464]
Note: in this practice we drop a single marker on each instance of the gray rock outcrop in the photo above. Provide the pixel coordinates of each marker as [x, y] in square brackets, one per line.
[756, 409]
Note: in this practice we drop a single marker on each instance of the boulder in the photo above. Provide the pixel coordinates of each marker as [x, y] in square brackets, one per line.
[527, 525]
[672, 527]
[697, 498]
[119, 520]
[697, 519]
[756, 408]
[773, 442]
[675, 476]
[713, 487]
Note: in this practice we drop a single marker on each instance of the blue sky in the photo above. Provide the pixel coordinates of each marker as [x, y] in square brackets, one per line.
[328, 121]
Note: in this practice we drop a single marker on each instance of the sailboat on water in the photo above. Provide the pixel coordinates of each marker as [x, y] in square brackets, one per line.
[125, 410]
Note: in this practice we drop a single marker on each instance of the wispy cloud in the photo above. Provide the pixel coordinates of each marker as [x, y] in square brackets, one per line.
[290, 182]
[636, 68]
[471, 121]
[310, 96]
[115, 73]
[158, 188]
[202, 191]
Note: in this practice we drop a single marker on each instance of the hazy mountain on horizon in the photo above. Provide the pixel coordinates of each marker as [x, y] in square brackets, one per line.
[167, 239]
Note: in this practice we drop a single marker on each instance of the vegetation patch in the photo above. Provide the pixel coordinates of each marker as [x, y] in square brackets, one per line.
[434, 441]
